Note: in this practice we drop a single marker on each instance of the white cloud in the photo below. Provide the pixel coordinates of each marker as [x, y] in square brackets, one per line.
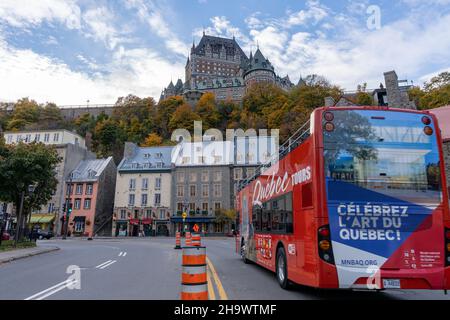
[313, 13]
[352, 54]
[99, 24]
[151, 14]
[24, 13]
[24, 73]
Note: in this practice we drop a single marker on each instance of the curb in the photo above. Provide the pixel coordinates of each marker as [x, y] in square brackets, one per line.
[26, 255]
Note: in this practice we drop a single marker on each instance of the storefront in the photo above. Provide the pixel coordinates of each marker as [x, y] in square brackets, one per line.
[41, 221]
[121, 228]
[147, 226]
[206, 224]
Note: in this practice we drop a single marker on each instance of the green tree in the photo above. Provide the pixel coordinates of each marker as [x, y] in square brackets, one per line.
[108, 139]
[23, 165]
[50, 117]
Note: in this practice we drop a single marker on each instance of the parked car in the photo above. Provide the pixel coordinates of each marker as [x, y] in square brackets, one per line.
[5, 236]
[42, 234]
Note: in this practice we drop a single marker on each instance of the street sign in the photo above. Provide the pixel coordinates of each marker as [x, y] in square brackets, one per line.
[184, 215]
[196, 228]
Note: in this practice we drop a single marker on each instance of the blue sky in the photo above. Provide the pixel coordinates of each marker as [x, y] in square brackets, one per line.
[71, 51]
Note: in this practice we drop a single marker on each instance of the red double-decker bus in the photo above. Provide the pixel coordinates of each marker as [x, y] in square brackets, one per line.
[356, 199]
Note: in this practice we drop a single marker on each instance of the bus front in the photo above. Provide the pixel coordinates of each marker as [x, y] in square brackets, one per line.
[385, 199]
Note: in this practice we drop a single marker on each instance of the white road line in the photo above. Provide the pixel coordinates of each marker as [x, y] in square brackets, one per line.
[46, 290]
[124, 254]
[57, 290]
[120, 253]
[101, 264]
[108, 264]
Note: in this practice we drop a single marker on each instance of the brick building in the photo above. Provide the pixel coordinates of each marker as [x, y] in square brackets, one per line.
[220, 66]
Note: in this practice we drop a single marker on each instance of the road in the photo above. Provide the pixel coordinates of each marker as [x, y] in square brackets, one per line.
[149, 268]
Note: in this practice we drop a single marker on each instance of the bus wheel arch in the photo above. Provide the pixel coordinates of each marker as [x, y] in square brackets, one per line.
[281, 269]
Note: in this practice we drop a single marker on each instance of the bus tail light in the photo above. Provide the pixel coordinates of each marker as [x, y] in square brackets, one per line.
[324, 241]
[425, 120]
[428, 130]
[328, 116]
[447, 247]
[329, 126]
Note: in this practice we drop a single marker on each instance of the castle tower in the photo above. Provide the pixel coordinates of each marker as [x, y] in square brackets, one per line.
[258, 69]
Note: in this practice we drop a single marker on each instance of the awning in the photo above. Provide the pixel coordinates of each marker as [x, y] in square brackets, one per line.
[193, 219]
[134, 221]
[147, 221]
[42, 218]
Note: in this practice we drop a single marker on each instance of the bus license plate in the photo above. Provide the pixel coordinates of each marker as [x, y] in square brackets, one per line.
[391, 283]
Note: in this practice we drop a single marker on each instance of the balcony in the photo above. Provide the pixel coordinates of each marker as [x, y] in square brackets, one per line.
[205, 212]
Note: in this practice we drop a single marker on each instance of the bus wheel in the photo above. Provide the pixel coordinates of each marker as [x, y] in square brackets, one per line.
[244, 258]
[281, 267]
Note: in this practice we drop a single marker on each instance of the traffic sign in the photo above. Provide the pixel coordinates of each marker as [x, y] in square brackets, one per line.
[184, 215]
[195, 227]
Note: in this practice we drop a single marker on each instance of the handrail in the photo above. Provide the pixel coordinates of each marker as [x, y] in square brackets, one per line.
[291, 143]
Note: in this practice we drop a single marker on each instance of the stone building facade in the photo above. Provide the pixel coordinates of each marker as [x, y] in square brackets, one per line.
[142, 203]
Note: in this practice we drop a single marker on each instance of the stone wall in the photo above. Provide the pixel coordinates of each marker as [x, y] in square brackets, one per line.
[75, 112]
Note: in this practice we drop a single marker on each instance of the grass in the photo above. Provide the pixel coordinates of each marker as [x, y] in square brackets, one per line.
[8, 245]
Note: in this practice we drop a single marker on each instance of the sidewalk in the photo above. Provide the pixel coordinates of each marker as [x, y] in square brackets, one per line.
[8, 256]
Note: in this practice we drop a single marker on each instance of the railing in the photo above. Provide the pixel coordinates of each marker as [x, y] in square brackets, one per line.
[291, 143]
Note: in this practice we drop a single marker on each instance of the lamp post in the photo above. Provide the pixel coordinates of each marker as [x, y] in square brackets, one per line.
[68, 210]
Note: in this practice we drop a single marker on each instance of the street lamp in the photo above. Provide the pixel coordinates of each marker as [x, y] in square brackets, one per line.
[30, 190]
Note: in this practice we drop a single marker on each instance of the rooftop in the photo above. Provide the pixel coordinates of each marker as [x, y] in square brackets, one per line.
[90, 170]
[148, 159]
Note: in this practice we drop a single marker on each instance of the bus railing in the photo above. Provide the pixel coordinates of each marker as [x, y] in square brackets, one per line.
[291, 143]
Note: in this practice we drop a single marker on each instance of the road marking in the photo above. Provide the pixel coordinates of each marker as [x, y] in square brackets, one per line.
[108, 264]
[120, 253]
[220, 289]
[211, 293]
[52, 290]
[101, 264]
[124, 254]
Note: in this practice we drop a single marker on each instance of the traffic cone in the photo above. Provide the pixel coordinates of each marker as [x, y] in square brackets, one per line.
[177, 241]
[196, 241]
[194, 283]
[188, 239]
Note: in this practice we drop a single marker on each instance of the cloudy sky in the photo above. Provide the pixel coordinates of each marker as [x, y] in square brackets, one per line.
[71, 51]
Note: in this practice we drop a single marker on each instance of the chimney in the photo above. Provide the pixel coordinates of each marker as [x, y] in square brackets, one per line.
[129, 150]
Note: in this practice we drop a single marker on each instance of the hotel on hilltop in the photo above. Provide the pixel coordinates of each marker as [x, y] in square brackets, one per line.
[220, 66]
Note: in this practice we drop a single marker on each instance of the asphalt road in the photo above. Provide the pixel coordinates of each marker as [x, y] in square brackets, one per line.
[151, 269]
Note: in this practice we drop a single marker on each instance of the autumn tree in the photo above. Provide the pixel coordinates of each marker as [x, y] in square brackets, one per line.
[183, 118]
[26, 112]
[152, 140]
[165, 109]
[206, 108]
[435, 92]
